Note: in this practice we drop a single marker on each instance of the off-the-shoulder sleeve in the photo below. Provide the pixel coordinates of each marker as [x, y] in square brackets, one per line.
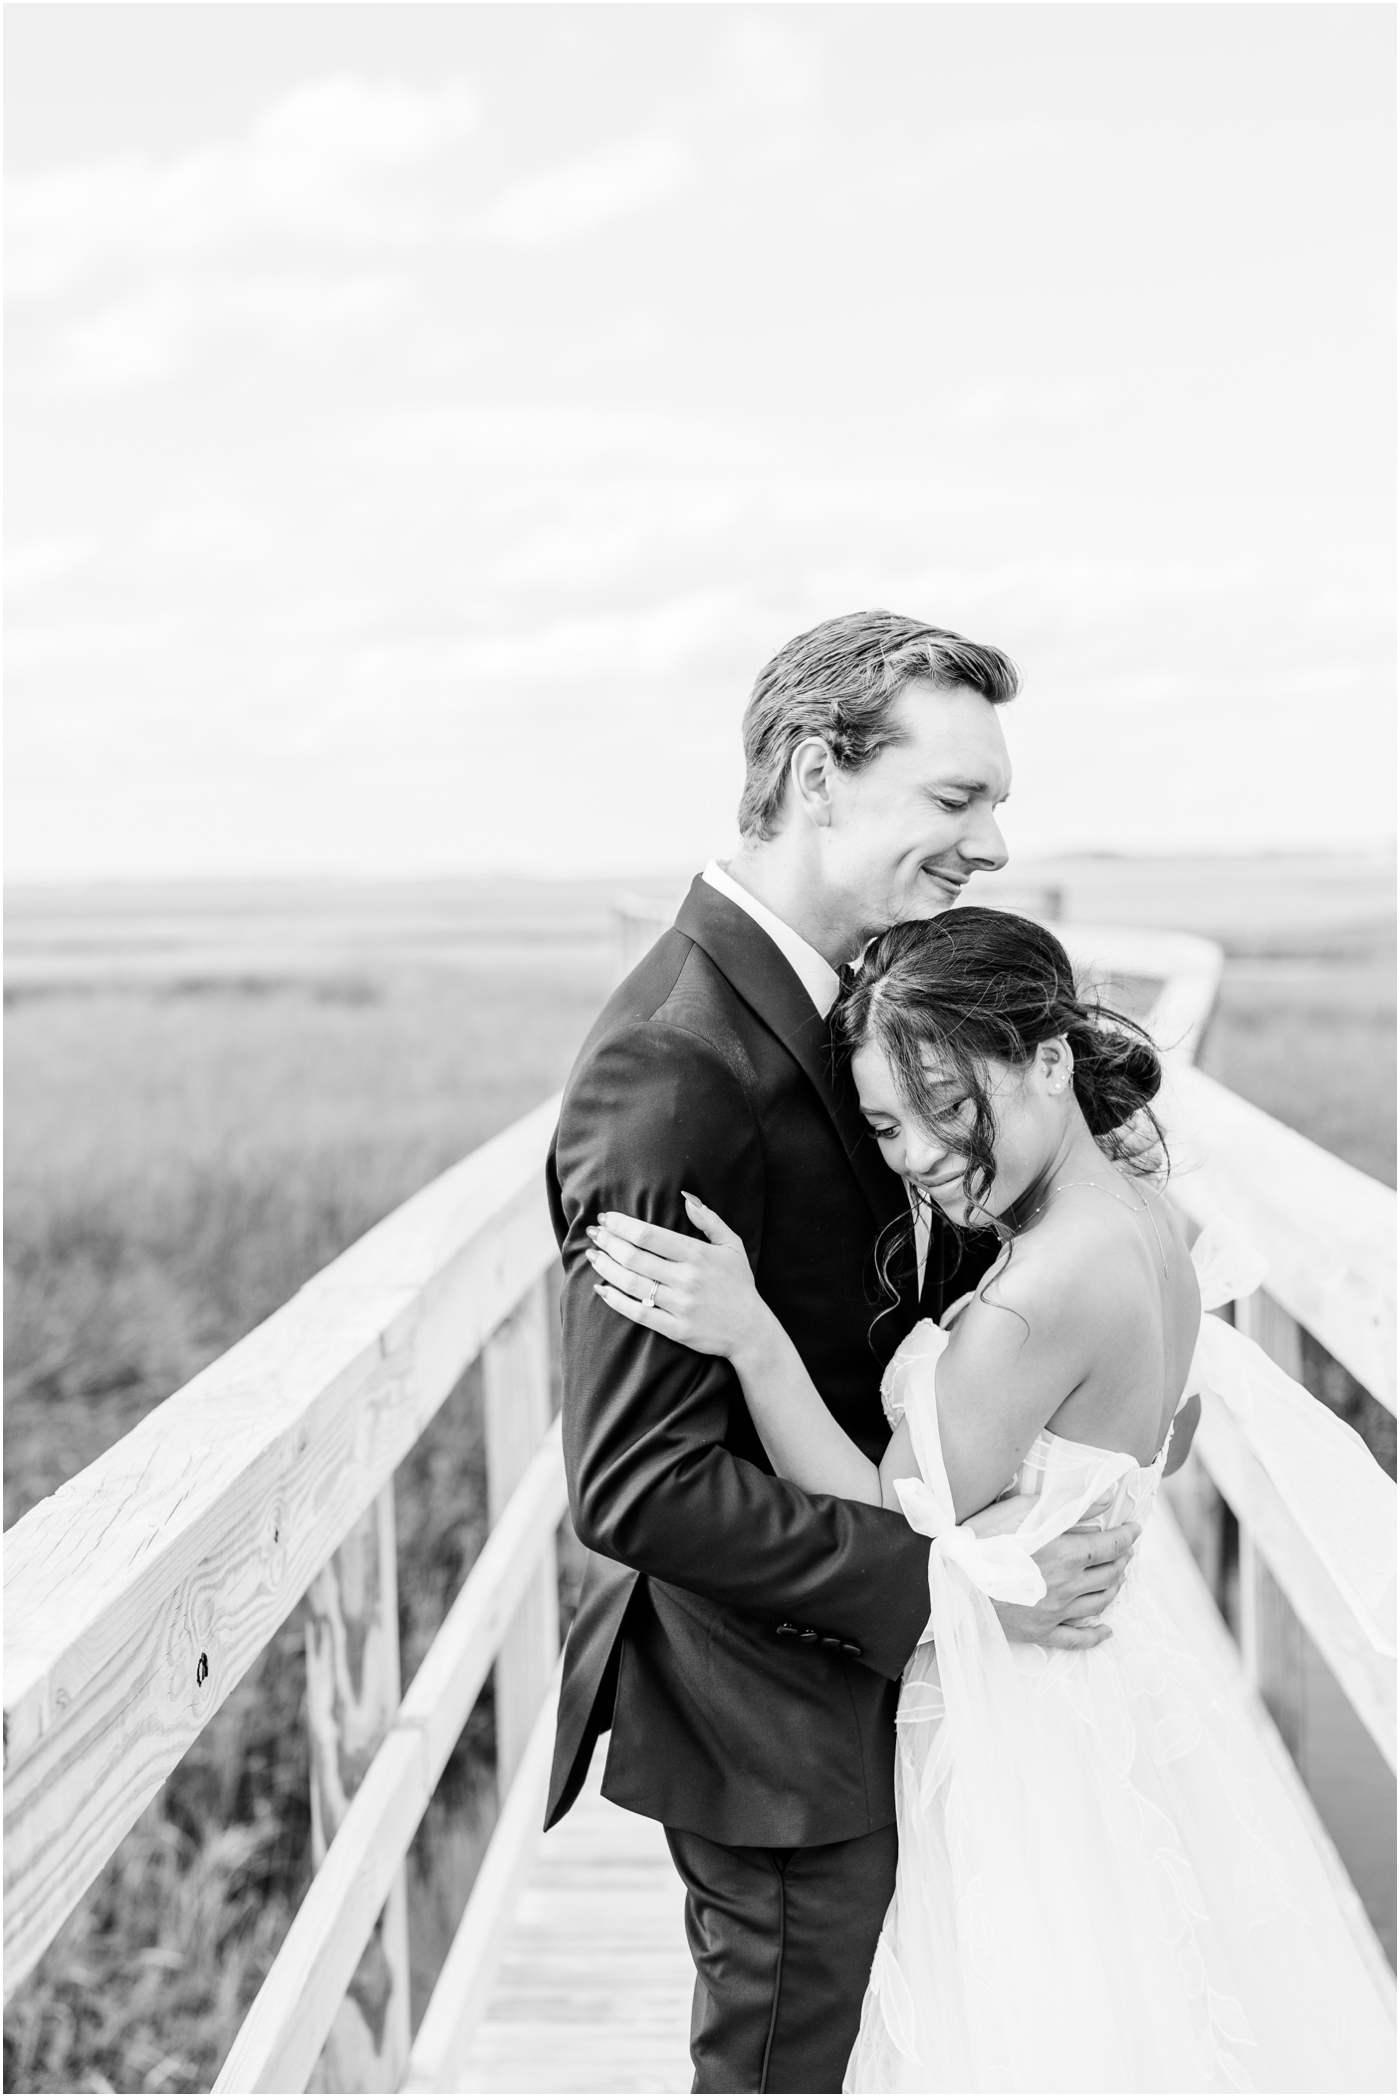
[911, 1367]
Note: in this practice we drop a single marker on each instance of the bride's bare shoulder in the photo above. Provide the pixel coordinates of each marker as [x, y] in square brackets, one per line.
[1064, 1278]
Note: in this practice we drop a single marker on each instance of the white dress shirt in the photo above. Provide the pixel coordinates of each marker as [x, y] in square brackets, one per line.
[816, 975]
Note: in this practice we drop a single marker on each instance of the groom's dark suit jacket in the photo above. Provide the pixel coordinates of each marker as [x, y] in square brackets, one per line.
[743, 1639]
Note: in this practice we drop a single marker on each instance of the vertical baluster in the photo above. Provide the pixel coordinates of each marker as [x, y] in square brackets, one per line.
[515, 1364]
[352, 1692]
[1270, 1635]
[1270, 1325]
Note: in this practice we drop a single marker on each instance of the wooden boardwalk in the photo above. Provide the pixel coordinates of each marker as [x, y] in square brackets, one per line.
[594, 1986]
[139, 1595]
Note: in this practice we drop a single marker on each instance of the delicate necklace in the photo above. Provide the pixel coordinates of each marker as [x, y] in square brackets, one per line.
[1067, 1186]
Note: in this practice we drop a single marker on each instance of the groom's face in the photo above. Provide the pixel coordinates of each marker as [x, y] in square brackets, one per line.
[908, 829]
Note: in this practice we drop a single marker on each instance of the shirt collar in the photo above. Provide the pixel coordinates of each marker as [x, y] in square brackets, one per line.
[815, 973]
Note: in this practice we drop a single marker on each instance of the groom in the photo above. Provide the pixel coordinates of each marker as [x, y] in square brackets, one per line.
[744, 1640]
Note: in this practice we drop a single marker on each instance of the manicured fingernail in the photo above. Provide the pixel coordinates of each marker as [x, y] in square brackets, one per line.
[692, 1197]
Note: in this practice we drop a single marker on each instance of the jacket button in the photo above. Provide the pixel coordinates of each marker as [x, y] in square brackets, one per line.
[807, 1637]
[786, 1631]
[828, 1640]
[847, 1647]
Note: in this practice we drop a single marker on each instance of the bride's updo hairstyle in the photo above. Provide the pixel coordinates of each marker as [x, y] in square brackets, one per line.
[978, 986]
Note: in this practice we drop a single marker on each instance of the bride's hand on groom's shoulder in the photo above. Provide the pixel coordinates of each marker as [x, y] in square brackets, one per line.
[698, 1291]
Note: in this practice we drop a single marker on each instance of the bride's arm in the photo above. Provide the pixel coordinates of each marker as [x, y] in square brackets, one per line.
[706, 1299]
[1021, 1335]
[1024, 1337]
[803, 1441]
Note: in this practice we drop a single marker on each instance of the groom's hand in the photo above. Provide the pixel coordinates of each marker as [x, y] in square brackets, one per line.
[1083, 1570]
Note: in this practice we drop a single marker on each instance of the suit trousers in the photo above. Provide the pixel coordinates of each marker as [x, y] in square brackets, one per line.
[783, 1941]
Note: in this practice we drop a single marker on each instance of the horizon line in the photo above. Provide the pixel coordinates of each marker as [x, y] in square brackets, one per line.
[1378, 852]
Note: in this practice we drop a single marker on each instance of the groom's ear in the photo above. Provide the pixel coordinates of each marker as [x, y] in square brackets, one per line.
[810, 770]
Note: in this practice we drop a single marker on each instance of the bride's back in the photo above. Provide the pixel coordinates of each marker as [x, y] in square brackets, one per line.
[1118, 1248]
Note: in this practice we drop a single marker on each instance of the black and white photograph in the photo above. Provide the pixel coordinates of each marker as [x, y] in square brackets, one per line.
[700, 1074]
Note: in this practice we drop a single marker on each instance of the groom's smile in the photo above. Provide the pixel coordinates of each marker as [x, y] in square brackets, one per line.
[947, 878]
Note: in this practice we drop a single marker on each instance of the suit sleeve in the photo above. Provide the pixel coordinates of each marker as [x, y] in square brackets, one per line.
[653, 1110]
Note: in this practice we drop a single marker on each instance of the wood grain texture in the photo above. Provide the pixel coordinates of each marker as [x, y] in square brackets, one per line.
[293, 2011]
[594, 1982]
[351, 1616]
[515, 1369]
[139, 1593]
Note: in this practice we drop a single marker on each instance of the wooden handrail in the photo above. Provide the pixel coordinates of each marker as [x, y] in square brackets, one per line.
[139, 1593]
[285, 2028]
[1187, 968]
[1327, 1230]
[1367, 1676]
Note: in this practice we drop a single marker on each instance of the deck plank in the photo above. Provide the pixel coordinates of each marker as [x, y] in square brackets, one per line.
[594, 1986]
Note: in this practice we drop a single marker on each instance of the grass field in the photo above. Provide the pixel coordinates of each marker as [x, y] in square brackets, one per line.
[209, 1097]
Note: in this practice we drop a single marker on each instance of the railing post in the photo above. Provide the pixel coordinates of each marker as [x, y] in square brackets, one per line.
[352, 1693]
[1270, 1634]
[515, 1366]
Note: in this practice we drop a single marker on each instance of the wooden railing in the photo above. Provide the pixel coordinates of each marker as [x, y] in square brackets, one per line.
[139, 1594]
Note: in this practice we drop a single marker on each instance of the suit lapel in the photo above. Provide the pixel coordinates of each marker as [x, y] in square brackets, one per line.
[744, 953]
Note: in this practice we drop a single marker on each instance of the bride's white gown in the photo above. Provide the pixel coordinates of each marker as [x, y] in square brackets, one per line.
[1102, 1883]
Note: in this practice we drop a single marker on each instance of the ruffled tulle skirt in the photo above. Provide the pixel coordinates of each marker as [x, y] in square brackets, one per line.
[1104, 1882]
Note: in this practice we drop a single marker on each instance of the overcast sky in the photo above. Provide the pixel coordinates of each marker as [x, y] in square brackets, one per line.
[424, 420]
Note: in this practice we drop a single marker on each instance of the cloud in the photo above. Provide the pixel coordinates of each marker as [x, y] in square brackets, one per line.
[325, 164]
[120, 272]
[403, 537]
[579, 196]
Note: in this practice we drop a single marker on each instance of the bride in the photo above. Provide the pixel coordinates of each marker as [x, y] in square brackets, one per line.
[1102, 1884]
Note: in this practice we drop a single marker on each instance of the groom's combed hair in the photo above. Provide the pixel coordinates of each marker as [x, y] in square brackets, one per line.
[841, 682]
